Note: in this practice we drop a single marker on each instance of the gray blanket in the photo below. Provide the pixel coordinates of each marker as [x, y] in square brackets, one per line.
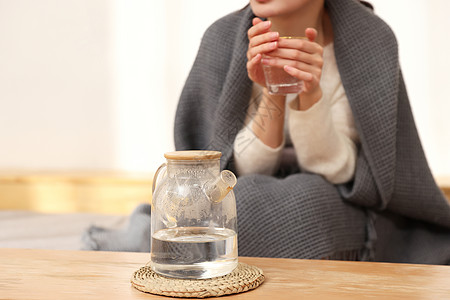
[392, 211]
[302, 215]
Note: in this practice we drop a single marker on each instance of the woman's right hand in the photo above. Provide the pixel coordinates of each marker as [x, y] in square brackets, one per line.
[261, 41]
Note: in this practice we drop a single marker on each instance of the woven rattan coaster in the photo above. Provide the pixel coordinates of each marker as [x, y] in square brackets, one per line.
[242, 279]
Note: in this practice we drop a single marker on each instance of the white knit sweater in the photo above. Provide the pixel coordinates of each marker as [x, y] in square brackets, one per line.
[324, 136]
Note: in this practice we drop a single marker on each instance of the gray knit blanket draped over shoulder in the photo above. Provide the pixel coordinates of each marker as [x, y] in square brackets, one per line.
[391, 211]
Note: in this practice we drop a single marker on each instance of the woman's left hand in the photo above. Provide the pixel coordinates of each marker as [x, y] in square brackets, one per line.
[302, 59]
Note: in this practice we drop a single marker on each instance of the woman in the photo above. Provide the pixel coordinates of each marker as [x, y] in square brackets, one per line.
[321, 112]
[354, 184]
[334, 172]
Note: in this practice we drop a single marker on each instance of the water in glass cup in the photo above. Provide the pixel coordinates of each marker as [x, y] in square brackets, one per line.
[281, 83]
[194, 252]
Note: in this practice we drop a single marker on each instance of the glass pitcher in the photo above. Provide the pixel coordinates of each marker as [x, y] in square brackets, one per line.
[194, 223]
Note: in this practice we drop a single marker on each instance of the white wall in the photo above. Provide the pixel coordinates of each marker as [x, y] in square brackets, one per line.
[94, 84]
[421, 28]
[55, 85]
[155, 43]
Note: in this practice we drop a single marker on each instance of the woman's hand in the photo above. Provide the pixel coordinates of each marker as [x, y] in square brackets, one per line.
[302, 59]
[261, 41]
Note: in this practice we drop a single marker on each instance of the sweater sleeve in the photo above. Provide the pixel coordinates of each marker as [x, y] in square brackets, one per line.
[324, 136]
[252, 156]
[322, 146]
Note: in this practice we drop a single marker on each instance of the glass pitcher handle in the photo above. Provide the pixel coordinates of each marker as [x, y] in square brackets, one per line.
[155, 178]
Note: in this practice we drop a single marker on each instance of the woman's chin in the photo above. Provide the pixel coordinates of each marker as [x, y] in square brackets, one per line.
[263, 12]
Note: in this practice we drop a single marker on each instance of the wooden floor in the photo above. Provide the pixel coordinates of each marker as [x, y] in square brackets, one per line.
[109, 193]
[444, 184]
[51, 192]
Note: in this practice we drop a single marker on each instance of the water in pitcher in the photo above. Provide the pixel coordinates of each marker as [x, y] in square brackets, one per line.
[194, 252]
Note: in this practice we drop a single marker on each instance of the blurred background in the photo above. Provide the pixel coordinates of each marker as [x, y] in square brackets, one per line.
[93, 85]
[89, 89]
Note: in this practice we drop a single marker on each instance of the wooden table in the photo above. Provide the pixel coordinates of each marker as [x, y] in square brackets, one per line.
[52, 274]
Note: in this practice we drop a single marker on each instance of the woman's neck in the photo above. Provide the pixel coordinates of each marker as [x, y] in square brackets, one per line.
[296, 22]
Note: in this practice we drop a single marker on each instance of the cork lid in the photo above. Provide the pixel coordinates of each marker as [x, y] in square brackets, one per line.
[193, 155]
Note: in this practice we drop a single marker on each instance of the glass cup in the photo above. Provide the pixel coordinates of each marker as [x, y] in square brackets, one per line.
[278, 81]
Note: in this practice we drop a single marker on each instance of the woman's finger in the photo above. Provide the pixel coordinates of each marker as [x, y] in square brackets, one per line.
[305, 76]
[263, 38]
[256, 21]
[261, 49]
[259, 28]
[293, 54]
[302, 69]
[280, 63]
[254, 62]
[301, 44]
[311, 34]
[254, 70]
